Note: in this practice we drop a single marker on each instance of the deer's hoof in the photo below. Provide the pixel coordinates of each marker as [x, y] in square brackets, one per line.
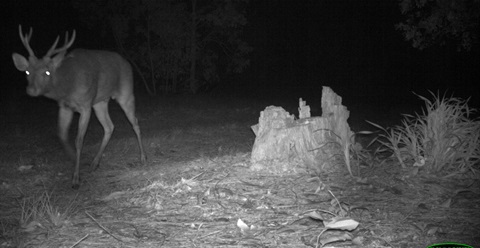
[75, 181]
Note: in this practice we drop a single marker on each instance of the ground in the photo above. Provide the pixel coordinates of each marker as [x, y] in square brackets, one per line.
[197, 185]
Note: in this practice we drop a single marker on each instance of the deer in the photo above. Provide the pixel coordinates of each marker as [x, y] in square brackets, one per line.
[80, 81]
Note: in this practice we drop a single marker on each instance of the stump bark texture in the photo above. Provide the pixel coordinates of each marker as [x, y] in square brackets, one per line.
[284, 144]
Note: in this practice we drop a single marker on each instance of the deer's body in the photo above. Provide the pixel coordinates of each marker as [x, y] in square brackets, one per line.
[80, 81]
[87, 77]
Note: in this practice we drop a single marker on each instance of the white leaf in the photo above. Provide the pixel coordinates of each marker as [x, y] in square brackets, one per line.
[24, 167]
[341, 223]
[244, 227]
[315, 215]
[113, 195]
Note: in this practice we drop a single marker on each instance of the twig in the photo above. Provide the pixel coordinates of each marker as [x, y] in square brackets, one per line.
[209, 234]
[78, 242]
[105, 229]
[196, 176]
[339, 205]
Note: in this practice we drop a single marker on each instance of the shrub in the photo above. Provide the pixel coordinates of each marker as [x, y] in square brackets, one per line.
[444, 138]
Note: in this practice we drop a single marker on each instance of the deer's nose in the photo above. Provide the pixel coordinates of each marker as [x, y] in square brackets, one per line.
[32, 91]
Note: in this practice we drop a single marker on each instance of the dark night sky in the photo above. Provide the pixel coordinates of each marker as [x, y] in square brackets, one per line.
[299, 47]
[352, 46]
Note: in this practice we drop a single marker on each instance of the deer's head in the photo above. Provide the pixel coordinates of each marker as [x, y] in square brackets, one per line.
[40, 72]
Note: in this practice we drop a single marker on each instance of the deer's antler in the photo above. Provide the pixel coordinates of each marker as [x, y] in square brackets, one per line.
[67, 44]
[26, 40]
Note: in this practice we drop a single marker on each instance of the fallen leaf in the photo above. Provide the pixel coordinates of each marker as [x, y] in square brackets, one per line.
[341, 223]
[23, 168]
[338, 237]
[243, 227]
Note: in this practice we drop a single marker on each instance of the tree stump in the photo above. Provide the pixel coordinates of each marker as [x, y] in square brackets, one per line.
[284, 144]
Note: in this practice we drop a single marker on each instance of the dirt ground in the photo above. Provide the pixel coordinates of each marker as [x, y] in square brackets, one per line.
[197, 186]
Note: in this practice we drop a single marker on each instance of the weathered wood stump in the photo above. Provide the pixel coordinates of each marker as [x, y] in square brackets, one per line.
[284, 144]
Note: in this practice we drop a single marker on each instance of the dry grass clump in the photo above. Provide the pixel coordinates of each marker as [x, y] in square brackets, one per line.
[444, 138]
[44, 209]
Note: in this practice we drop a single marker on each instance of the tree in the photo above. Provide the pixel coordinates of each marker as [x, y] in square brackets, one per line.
[432, 22]
[166, 41]
[215, 29]
[161, 37]
[113, 18]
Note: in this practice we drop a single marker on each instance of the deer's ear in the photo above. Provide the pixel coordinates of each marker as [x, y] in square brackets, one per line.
[57, 60]
[20, 62]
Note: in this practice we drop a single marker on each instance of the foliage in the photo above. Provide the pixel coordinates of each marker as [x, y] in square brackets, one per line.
[430, 22]
[222, 23]
[443, 138]
[158, 36]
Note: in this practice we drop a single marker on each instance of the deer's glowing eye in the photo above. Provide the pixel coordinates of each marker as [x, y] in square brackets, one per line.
[27, 72]
[47, 72]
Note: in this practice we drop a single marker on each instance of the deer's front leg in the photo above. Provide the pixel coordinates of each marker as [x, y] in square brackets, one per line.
[64, 120]
[82, 129]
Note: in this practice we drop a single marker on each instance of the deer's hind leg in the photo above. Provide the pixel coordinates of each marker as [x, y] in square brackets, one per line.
[101, 111]
[127, 103]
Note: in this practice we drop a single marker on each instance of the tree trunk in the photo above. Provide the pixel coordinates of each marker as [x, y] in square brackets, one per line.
[193, 49]
[124, 52]
[150, 58]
